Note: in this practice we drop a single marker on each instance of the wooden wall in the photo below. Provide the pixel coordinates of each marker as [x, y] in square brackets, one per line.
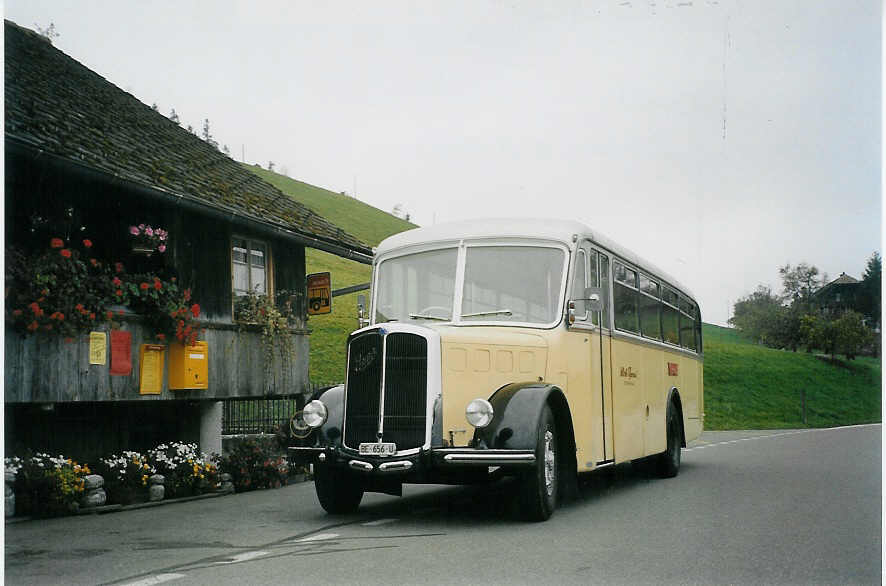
[45, 369]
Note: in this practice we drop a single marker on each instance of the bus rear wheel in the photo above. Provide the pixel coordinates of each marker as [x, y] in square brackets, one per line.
[538, 497]
[338, 492]
[668, 462]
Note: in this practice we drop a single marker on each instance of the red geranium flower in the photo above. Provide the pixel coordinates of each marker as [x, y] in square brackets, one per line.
[56, 243]
[87, 243]
[117, 282]
[109, 315]
[33, 326]
[93, 262]
[187, 294]
[144, 286]
[158, 285]
[92, 316]
[65, 253]
[195, 309]
[118, 266]
[34, 307]
[119, 293]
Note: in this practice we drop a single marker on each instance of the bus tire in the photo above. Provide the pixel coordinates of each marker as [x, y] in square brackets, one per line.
[668, 462]
[538, 491]
[315, 306]
[337, 491]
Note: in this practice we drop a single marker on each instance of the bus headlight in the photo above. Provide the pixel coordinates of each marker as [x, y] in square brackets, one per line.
[314, 414]
[479, 413]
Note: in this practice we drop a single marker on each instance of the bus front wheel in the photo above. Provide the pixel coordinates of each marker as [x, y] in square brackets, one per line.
[539, 486]
[337, 492]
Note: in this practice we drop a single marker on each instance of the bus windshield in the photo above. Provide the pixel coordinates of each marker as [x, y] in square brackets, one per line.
[511, 284]
[416, 287]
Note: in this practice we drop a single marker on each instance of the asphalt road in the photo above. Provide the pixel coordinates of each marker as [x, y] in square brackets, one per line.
[772, 507]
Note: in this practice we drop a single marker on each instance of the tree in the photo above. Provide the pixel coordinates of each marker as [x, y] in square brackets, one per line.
[226, 150]
[207, 136]
[174, 116]
[799, 282]
[270, 165]
[49, 33]
[757, 315]
[871, 287]
[154, 107]
[845, 335]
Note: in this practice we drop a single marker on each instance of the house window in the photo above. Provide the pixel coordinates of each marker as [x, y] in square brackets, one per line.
[249, 266]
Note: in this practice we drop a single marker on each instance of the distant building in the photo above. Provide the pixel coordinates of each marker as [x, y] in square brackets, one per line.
[841, 294]
[82, 153]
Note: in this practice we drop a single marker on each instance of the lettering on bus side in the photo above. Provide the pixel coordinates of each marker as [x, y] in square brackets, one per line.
[627, 373]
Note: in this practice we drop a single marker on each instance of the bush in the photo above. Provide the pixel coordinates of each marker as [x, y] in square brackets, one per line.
[126, 477]
[187, 472]
[252, 466]
[47, 486]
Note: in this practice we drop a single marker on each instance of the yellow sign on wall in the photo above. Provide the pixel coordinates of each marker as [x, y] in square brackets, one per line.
[98, 347]
[151, 369]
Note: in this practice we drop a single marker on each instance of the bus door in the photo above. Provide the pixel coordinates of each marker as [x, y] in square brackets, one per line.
[598, 276]
[593, 404]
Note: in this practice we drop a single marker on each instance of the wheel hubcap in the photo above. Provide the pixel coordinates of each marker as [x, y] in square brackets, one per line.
[550, 462]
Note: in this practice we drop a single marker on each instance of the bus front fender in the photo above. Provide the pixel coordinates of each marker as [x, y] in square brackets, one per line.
[517, 408]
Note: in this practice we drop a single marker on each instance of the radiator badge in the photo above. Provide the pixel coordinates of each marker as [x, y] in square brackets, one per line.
[363, 362]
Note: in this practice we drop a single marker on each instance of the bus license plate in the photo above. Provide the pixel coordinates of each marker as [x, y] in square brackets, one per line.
[376, 449]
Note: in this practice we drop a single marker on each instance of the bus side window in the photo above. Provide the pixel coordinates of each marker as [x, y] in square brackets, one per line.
[625, 297]
[599, 274]
[579, 283]
[604, 282]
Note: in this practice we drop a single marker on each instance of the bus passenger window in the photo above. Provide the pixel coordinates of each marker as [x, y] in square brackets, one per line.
[687, 324]
[670, 322]
[650, 322]
[625, 298]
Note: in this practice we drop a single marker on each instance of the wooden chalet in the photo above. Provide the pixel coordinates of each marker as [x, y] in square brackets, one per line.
[87, 160]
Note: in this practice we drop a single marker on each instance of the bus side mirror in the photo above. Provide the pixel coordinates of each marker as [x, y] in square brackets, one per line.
[362, 320]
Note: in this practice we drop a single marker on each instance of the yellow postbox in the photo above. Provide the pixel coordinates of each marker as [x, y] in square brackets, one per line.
[189, 366]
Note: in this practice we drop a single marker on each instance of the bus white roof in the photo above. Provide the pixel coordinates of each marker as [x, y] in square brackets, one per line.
[533, 229]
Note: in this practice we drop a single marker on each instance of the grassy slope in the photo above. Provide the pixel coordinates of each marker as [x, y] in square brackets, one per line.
[752, 387]
[369, 224]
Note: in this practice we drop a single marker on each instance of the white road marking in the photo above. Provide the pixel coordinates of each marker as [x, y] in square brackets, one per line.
[243, 557]
[756, 437]
[318, 537]
[379, 522]
[158, 579]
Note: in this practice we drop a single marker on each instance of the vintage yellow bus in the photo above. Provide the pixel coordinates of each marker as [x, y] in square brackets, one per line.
[537, 349]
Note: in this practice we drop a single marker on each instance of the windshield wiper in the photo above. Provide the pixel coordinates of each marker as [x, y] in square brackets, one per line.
[427, 316]
[495, 312]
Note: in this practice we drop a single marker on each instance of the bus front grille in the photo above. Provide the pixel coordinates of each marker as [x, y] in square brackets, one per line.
[403, 397]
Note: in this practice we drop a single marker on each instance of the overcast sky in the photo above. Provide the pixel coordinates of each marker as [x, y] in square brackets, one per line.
[717, 139]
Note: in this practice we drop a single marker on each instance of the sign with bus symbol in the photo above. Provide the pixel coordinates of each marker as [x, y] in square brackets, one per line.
[319, 293]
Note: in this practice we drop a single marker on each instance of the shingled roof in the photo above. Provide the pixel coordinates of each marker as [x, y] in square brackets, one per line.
[57, 105]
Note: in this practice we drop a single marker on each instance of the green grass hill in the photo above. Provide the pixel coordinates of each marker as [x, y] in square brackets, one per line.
[369, 224]
[747, 386]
